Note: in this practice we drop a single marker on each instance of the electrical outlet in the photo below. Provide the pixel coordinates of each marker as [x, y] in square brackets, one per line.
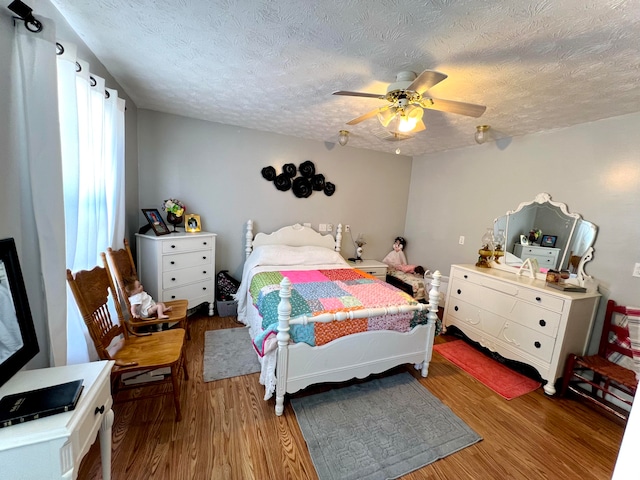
[461, 240]
[322, 227]
[306, 225]
[636, 270]
[329, 227]
[347, 228]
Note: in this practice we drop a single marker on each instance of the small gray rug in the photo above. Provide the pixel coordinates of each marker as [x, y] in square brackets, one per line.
[228, 353]
[380, 429]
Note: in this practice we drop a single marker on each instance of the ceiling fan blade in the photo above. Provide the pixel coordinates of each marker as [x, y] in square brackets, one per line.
[359, 94]
[452, 106]
[366, 116]
[426, 80]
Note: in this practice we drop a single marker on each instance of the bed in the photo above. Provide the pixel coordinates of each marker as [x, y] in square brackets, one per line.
[313, 318]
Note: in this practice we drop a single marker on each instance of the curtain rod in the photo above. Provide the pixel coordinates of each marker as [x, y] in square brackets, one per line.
[25, 13]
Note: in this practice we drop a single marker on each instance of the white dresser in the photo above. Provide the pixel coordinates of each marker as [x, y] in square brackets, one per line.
[372, 267]
[178, 266]
[520, 318]
[53, 447]
[547, 257]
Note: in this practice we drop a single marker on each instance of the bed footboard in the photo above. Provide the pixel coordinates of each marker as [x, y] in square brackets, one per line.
[357, 355]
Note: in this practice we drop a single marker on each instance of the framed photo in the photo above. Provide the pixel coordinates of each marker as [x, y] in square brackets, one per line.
[155, 221]
[548, 241]
[192, 223]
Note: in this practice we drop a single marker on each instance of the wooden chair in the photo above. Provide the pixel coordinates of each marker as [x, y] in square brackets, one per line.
[94, 292]
[120, 265]
[596, 377]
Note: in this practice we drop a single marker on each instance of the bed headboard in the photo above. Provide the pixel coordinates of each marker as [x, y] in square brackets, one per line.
[294, 235]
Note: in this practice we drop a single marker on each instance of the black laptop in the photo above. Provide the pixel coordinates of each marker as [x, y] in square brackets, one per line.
[43, 402]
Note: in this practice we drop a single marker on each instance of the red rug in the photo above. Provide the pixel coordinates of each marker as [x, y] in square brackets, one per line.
[493, 374]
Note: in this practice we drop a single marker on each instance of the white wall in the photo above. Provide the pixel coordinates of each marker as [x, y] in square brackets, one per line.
[594, 168]
[215, 169]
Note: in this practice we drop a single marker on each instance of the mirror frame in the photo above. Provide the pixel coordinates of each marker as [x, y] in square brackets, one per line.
[545, 198]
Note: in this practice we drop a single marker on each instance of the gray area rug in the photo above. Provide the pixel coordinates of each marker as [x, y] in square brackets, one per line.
[228, 353]
[380, 429]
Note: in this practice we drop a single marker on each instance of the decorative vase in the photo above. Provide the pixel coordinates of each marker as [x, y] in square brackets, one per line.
[174, 220]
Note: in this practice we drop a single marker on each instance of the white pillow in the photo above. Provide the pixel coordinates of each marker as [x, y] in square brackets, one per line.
[286, 255]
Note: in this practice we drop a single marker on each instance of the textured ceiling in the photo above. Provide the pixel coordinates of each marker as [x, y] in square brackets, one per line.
[272, 65]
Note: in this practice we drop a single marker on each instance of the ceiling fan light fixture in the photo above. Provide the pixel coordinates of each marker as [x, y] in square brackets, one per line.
[343, 137]
[386, 115]
[405, 119]
[482, 133]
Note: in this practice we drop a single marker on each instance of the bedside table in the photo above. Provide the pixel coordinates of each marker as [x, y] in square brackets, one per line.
[372, 267]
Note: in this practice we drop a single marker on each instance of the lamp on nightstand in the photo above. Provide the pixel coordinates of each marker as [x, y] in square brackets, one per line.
[358, 243]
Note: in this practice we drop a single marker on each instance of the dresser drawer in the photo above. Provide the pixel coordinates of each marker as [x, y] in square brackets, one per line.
[541, 299]
[190, 292]
[529, 341]
[177, 278]
[90, 424]
[186, 260]
[178, 245]
[477, 317]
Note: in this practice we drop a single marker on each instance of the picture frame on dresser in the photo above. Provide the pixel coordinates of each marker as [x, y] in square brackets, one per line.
[155, 221]
[548, 241]
[192, 223]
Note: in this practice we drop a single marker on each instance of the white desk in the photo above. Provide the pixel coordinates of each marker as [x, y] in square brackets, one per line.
[53, 447]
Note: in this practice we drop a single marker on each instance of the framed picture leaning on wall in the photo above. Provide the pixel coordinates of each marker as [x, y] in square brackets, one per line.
[155, 221]
[192, 223]
[548, 241]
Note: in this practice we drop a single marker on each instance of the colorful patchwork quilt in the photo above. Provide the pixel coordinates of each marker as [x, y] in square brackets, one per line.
[329, 291]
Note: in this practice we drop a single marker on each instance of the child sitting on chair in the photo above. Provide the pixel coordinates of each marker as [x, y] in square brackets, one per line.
[142, 305]
[397, 260]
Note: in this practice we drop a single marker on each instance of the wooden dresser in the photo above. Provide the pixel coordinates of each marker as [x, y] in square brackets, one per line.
[178, 266]
[520, 318]
[547, 257]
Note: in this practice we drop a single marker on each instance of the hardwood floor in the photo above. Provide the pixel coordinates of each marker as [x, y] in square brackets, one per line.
[229, 432]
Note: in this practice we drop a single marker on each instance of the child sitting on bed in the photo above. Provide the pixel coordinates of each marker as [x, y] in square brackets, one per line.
[142, 305]
[397, 260]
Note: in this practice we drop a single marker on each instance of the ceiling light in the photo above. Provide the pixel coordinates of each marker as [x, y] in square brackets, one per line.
[404, 119]
[482, 134]
[343, 137]
[398, 151]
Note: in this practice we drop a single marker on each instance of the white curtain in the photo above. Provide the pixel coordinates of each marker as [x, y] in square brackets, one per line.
[92, 134]
[35, 146]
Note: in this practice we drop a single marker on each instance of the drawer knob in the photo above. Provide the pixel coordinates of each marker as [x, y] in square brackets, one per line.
[99, 410]
[204, 258]
[204, 288]
[466, 276]
[173, 279]
[537, 344]
[204, 271]
[538, 299]
[459, 291]
[172, 262]
[173, 246]
[173, 296]
[204, 243]
[455, 308]
[542, 323]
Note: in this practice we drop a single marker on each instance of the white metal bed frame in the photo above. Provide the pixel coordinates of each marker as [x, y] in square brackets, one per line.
[358, 355]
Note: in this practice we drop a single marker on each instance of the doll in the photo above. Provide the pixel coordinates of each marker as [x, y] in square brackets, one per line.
[397, 260]
[142, 305]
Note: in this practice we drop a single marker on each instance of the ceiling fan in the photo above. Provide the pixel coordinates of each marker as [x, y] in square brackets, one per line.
[407, 99]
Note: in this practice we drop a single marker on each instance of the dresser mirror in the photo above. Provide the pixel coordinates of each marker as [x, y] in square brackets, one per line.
[565, 241]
